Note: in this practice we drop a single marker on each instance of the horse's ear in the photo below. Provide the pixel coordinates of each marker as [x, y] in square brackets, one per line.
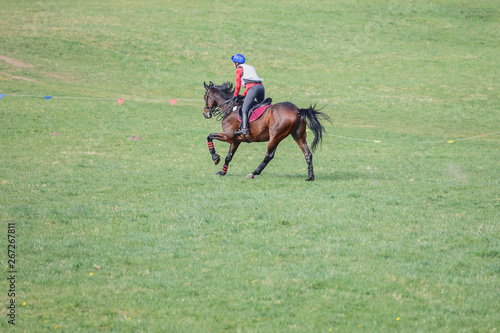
[205, 84]
[211, 84]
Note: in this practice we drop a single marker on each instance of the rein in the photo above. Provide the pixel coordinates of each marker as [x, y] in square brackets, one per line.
[217, 110]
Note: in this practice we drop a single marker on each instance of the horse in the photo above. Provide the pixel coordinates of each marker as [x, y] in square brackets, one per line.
[274, 125]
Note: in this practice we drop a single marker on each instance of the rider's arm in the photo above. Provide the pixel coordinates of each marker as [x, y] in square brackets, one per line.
[237, 75]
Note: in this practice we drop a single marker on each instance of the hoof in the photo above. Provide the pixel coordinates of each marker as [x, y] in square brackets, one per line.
[251, 176]
[220, 173]
[216, 159]
[310, 179]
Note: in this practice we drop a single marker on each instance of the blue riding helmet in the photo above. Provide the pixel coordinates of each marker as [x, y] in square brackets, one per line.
[238, 58]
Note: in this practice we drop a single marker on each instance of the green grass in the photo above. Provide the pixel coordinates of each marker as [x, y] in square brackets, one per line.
[397, 235]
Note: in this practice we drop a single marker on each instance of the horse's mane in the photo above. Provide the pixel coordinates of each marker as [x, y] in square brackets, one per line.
[227, 89]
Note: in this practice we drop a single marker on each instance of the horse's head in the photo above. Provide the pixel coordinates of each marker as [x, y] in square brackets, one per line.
[210, 102]
[219, 100]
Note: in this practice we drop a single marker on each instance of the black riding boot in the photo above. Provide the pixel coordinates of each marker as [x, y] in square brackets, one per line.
[244, 124]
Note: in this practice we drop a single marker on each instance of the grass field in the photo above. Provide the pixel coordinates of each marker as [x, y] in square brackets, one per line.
[399, 232]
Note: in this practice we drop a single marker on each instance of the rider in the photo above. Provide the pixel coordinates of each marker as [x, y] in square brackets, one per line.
[254, 89]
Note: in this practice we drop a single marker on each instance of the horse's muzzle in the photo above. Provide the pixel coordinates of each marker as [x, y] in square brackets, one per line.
[207, 114]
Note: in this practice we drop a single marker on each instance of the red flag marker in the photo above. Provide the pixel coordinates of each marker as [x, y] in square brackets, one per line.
[120, 101]
[172, 101]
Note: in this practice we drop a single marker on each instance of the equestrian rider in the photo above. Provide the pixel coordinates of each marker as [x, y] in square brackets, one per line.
[254, 89]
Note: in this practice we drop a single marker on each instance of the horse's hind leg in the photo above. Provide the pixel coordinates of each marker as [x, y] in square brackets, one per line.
[301, 141]
[271, 149]
[232, 149]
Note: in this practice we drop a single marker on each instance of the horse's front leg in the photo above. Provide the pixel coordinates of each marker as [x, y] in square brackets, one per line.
[210, 141]
[232, 149]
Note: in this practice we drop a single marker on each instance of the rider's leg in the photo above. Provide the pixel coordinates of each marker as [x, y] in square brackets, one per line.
[257, 93]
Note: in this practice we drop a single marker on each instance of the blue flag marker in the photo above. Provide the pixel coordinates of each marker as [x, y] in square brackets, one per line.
[2, 95]
[48, 97]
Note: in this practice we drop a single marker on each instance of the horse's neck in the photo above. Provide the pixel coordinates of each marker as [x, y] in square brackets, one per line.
[224, 103]
[220, 99]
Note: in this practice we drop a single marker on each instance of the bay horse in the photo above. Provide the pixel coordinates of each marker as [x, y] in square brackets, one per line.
[275, 124]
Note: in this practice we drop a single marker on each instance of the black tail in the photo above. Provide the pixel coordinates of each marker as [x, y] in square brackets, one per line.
[313, 117]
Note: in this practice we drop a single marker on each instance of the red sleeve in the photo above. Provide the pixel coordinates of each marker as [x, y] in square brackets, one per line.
[237, 75]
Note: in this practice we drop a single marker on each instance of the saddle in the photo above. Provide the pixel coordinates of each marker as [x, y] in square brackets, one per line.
[265, 102]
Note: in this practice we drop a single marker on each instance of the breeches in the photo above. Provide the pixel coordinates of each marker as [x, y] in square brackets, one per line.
[255, 95]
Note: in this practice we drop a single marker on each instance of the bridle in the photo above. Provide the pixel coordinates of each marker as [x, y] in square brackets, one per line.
[216, 109]
[207, 108]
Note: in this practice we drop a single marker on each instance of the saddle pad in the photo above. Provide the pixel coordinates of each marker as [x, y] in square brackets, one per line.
[256, 113]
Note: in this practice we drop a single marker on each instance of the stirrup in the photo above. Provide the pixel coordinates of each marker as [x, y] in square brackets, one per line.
[243, 131]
